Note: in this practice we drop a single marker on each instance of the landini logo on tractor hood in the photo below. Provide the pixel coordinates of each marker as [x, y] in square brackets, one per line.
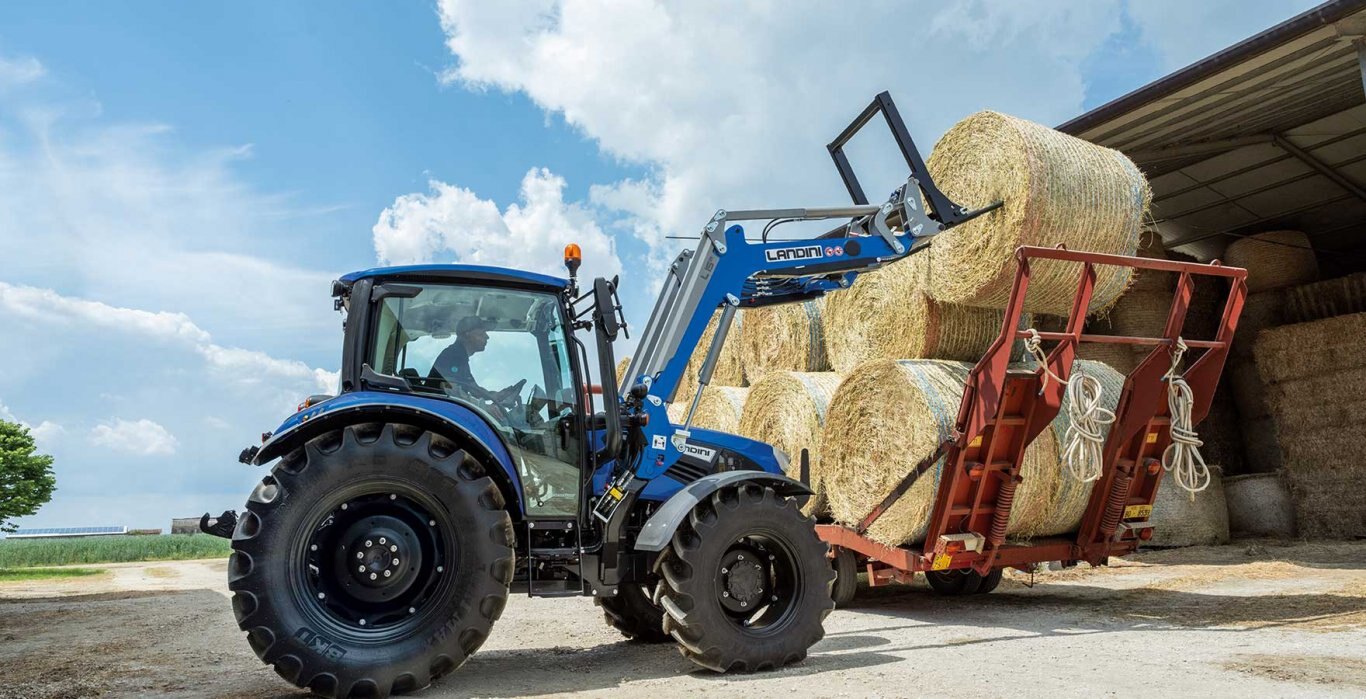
[800, 252]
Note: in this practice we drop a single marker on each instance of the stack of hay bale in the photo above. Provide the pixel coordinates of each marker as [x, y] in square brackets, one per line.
[1274, 261]
[1310, 371]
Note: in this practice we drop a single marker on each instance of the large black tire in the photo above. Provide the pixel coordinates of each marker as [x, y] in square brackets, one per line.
[322, 625]
[991, 581]
[748, 541]
[846, 577]
[634, 614]
[954, 583]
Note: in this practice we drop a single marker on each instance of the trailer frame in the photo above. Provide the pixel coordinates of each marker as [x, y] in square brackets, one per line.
[1004, 409]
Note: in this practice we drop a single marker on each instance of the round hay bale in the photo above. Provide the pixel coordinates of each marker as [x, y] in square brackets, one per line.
[719, 409]
[1064, 498]
[728, 371]
[1182, 519]
[1259, 505]
[1150, 246]
[1057, 189]
[1121, 358]
[1141, 313]
[1274, 259]
[889, 414]
[787, 409]
[885, 315]
[784, 337]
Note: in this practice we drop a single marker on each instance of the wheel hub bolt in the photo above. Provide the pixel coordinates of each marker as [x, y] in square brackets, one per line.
[369, 543]
[395, 562]
[314, 547]
[739, 557]
[440, 569]
[322, 595]
[360, 569]
[360, 554]
[343, 506]
[362, 622]
[393, 549]
[725, 593]
[431, 523]
[412, 610]
[383, 541]
[373, 576]
[387, 573]
[393, 497]
[724, 571]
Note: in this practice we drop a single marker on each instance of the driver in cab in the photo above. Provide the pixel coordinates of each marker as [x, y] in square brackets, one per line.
[453, 364]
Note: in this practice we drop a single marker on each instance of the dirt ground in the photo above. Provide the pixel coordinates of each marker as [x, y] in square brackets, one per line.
[1251, 619]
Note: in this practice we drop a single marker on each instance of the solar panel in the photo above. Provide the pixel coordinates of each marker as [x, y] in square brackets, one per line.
[42, 532]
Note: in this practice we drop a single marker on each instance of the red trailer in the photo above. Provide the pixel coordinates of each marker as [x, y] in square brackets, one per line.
[1003, 410]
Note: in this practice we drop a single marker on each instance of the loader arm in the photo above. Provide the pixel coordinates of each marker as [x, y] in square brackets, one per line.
[728, 271]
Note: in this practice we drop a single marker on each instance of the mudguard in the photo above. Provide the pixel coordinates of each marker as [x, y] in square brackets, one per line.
[375, 406]
[659, 529]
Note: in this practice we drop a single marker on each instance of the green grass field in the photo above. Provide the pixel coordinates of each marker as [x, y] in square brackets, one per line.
[27, 553]
[16, 574]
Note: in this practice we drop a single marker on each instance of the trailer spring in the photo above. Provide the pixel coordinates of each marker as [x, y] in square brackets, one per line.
[1005, 498]
[1114, 506]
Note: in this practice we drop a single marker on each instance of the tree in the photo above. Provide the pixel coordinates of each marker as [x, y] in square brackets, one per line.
[26, 480]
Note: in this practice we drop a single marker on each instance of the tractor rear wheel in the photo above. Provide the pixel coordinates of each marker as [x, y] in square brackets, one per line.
[745, 582]
[372, 560]
[634, 614]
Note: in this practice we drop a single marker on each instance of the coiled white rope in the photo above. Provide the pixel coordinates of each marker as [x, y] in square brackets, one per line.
[1182, 457]
[1084, 442]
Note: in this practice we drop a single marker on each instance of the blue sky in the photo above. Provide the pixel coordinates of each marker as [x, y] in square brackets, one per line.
[178, 183]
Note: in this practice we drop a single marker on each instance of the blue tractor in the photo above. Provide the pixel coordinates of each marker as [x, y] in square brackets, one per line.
[465, 458]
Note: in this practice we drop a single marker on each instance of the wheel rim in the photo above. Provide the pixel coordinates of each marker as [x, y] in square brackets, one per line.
[758, 583]
[376, 559]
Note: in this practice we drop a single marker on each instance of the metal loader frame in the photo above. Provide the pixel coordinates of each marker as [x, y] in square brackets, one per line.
[1003, 410]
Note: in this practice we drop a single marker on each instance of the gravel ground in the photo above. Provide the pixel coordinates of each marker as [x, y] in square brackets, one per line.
[1254, 619]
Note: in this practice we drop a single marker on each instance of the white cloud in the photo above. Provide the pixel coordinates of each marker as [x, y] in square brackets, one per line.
[19, 71]
[141, 437]
[1204, 28]
[230, 364]
[44, 433]
[453, 223]
[735, 114]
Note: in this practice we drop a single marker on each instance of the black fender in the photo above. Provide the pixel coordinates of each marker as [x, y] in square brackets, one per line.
[495, 456]
[659, 529]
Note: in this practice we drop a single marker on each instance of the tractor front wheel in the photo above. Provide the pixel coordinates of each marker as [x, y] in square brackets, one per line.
[634, 613]
[745, 582]
[372, 560]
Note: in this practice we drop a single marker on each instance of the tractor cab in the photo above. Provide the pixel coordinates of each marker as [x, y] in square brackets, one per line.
[493, 341]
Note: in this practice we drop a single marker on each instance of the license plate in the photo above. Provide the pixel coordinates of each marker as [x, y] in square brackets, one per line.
[1138, 512]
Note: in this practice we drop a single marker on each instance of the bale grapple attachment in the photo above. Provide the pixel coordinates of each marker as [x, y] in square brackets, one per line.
[1004, 409]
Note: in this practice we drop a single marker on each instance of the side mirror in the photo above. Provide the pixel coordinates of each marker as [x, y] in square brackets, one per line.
[605, 308]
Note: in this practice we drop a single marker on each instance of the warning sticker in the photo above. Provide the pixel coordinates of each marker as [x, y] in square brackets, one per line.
[941, 561]
[1152, 438]
[658, 442]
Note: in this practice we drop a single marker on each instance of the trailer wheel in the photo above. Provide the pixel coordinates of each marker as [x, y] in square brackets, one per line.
[991, 581]
[634, 614]
[745, 582]
[846, 577]
[961, 581]
[372, 560]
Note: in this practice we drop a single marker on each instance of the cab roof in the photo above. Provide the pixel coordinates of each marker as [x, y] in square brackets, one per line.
[458, 273]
